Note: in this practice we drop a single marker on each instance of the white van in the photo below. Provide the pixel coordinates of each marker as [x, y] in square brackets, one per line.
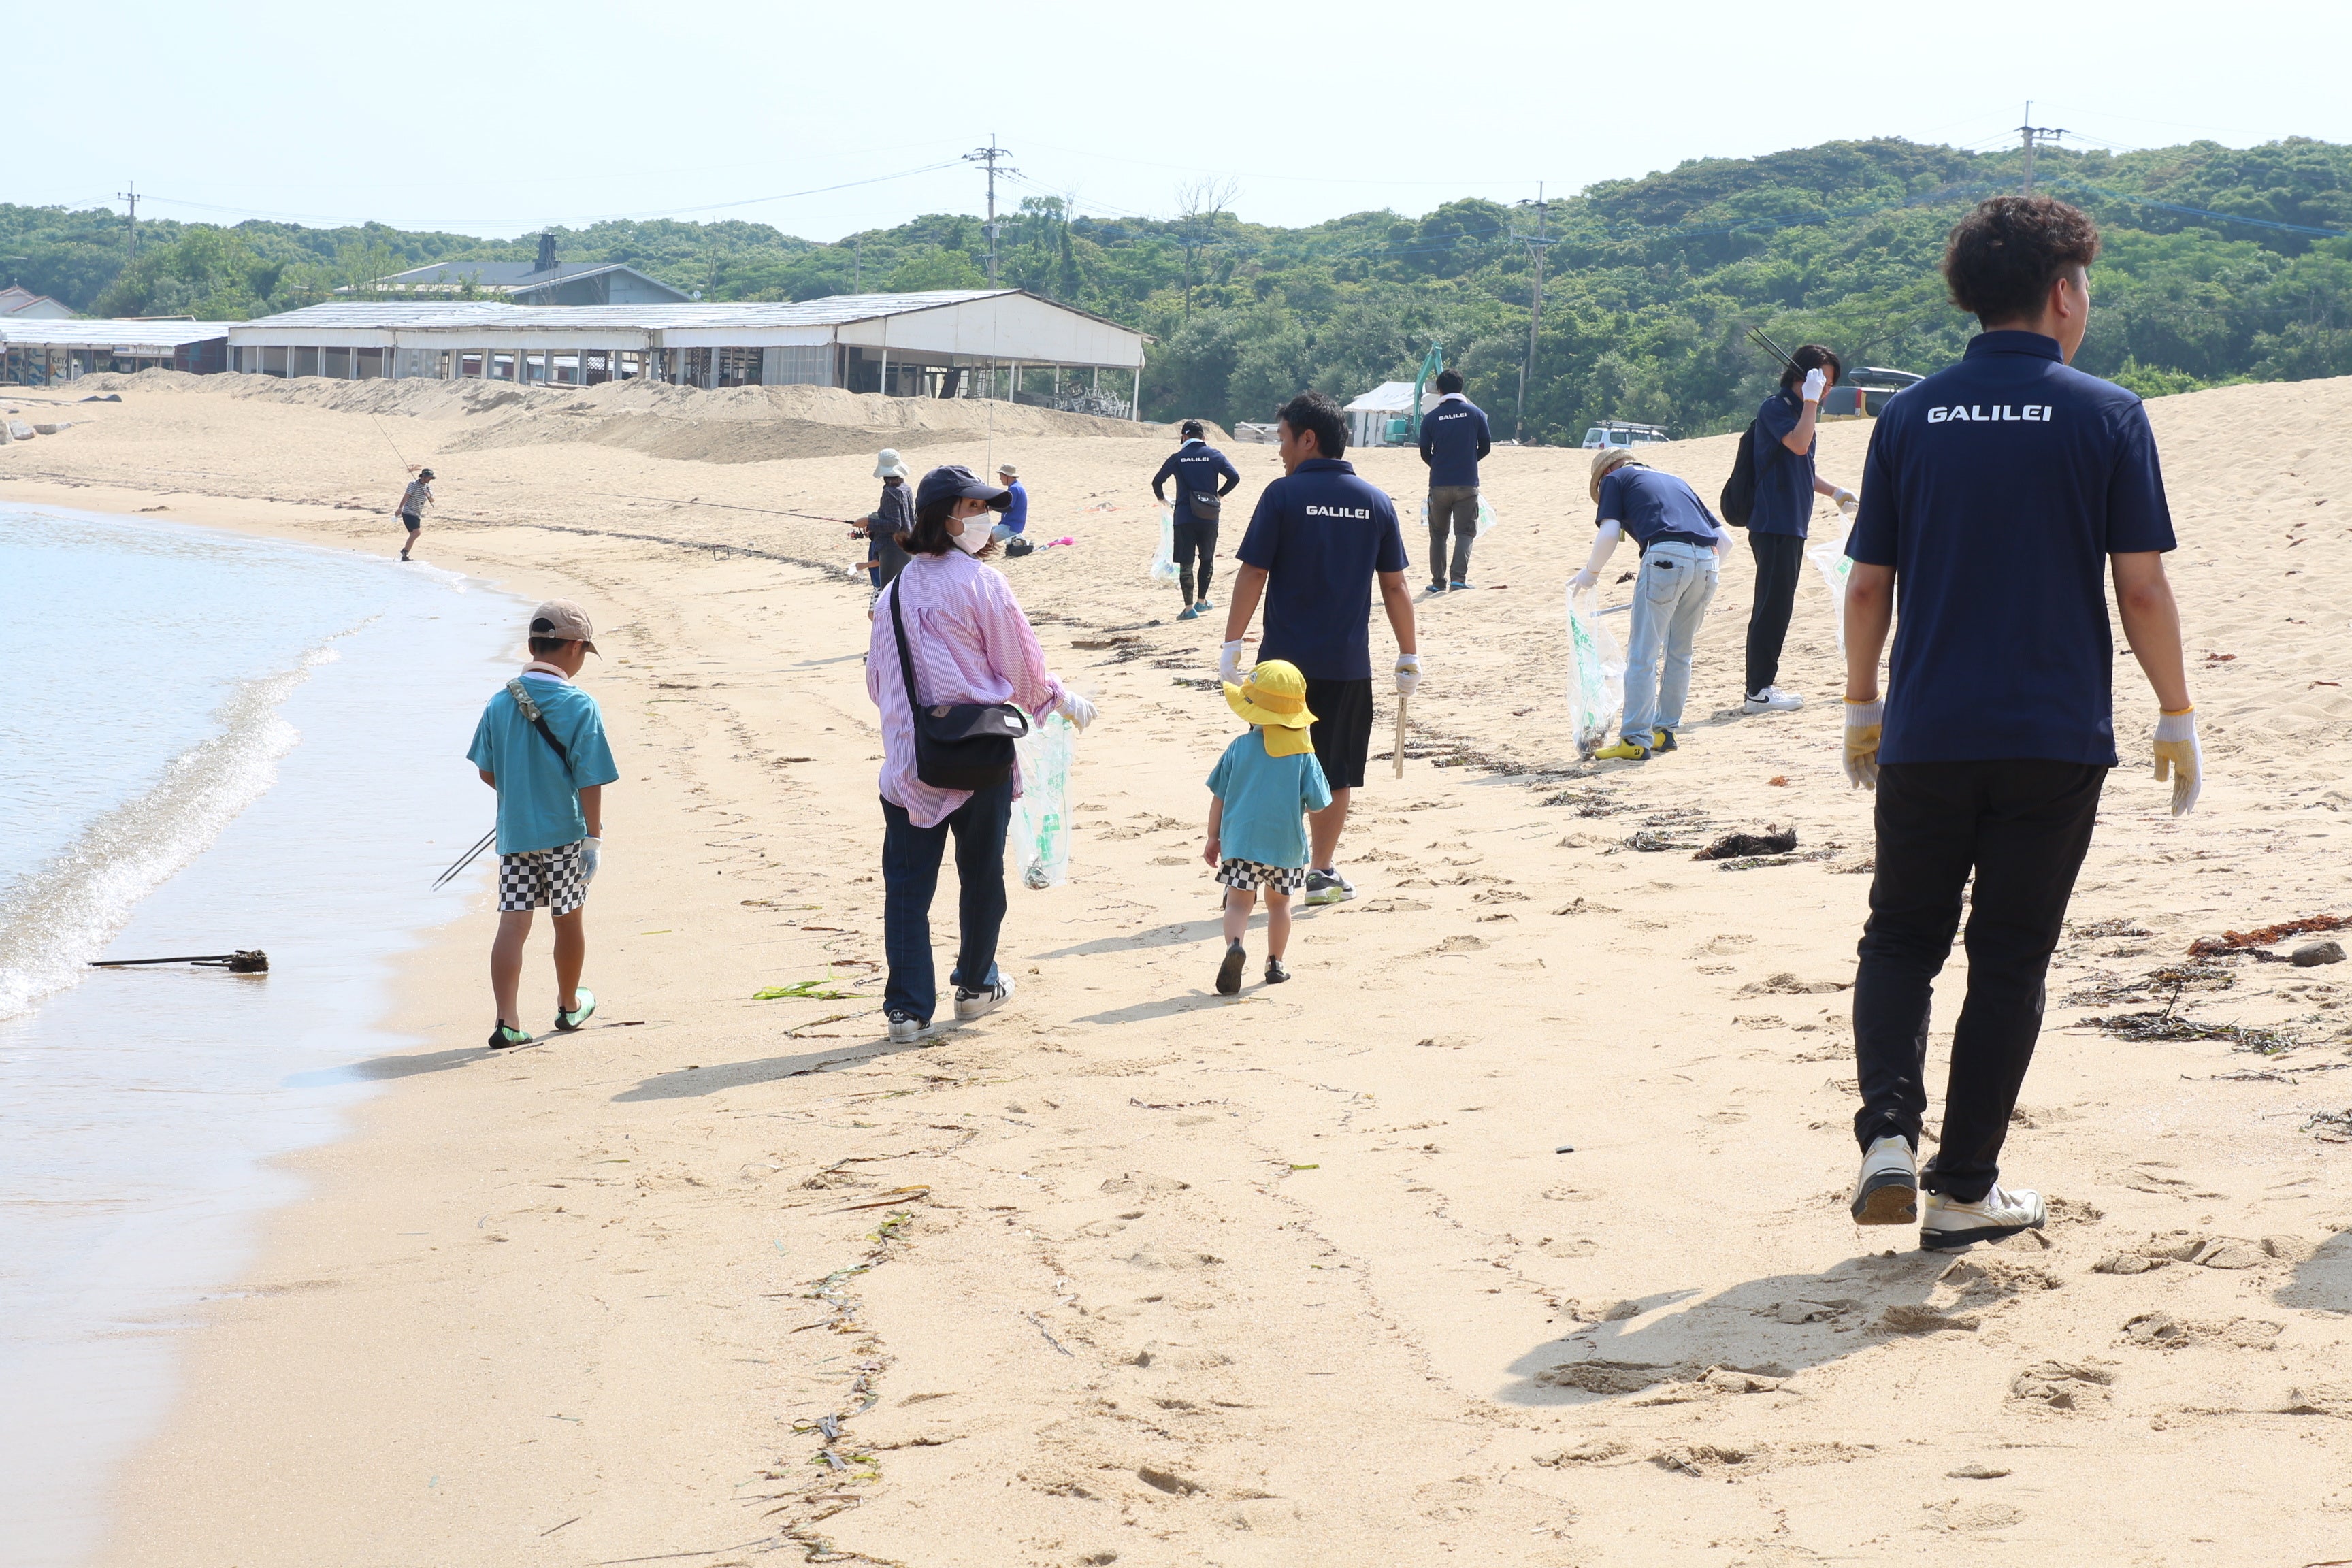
[1619, 433]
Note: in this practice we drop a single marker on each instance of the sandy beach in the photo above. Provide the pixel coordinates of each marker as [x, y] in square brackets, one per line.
[1132, 1273]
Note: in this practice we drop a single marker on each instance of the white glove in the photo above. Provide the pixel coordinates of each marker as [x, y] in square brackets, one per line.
[1407, 673]
[1814, 382]
[1847, 504]
[1582, 581]
[592, 853]
[1077, 710]
[1229, 663]
[2176, 754]
[1863, 721]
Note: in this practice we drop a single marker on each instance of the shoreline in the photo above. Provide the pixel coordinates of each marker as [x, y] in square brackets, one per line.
[1131, 1272]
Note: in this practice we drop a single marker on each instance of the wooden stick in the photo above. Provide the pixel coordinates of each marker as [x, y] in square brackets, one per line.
[1401, 700]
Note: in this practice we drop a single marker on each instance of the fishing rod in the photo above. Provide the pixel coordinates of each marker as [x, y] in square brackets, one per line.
[244, 960]
[1756, 335]
[388, 440]
[466, 859]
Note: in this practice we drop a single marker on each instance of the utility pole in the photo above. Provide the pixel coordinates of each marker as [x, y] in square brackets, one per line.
[132, 196]
[1536, 243]
[989, 155]
[2032, 134]
[857, 265]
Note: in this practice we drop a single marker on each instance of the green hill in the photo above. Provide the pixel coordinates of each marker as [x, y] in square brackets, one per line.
[2221, 265]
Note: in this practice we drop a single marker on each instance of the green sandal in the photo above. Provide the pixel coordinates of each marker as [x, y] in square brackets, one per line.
[567, 1022]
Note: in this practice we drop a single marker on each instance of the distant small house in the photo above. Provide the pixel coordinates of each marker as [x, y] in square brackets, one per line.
[44, 352]
[25, 305]
[1368, 416]
[545, 281]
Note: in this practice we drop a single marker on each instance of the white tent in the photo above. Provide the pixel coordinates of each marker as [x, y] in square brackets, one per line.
[1368, 416]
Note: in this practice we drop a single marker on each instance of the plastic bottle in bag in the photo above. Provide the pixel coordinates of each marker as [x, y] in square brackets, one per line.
[1829, 559]
[1596, 676]
[1163, 565]
[1040, 839]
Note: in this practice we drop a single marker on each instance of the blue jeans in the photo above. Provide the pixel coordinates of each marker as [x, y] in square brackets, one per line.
[1670, 600]
[910, 874]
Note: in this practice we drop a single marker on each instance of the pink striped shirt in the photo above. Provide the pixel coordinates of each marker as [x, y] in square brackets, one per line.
[972, 644]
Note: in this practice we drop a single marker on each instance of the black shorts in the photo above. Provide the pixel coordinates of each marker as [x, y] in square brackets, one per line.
[1343, 729]
[412, 520]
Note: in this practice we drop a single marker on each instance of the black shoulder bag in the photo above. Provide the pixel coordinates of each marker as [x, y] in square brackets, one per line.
[958, 745]
[1740, 491]
[1204, 505]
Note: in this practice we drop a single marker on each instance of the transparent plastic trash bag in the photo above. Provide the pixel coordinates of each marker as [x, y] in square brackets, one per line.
[1040, 839]
[1486, 516]
[1829, 559]
[1163, 565]
[1596, 673]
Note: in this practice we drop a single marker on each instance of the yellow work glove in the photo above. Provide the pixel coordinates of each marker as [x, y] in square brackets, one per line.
[1862, 725]
[2177, 758]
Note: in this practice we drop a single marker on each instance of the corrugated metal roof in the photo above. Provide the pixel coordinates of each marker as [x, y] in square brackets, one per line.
[106, 334]
[835, 311]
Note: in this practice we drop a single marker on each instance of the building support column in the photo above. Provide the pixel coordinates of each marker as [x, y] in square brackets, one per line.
[1134, 409]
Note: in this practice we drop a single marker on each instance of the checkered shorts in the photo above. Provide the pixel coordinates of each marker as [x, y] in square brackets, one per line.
[1250, 875]
[557, 877]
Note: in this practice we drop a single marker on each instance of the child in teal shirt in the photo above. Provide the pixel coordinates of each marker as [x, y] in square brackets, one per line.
[1264, 786]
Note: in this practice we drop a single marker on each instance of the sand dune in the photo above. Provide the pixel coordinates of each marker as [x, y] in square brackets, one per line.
[1133, 1273]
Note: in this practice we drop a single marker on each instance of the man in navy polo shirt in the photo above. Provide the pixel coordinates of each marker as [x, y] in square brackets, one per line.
[1454, 437]
[1782, 513]
[1203, 477]
[1319, 541]
[1681, 545]
[1998, 495]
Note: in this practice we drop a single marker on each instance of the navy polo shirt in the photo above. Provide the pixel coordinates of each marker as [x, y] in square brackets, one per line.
[1320, 534]
[1997, 490]
[1454, 437]
[1784, 480]
[1196, 467]
[1652, 507]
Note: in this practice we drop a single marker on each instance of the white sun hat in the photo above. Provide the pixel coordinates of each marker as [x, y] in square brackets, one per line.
[887, 465]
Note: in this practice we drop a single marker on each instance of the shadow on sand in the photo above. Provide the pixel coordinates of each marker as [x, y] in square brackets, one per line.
[2322, 1282]
[1775, 1327]
[688, 1083]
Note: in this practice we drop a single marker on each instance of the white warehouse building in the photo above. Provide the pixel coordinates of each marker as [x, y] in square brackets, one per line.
[961, 344]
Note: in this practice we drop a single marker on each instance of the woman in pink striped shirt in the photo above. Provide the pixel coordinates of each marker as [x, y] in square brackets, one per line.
[971, 643]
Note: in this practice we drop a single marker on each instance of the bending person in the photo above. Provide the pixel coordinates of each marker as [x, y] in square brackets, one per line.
[1997, 731]
[1203, 477]
[970, 643]
[1783, 512]
[1681, 546]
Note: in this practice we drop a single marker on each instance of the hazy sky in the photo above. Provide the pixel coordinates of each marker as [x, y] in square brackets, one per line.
[496, 118]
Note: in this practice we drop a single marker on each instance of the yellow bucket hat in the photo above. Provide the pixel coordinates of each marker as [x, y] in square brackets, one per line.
[1274, 696]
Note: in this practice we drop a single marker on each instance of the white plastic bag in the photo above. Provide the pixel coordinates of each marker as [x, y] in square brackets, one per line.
[1040, 839]
[1163, 565]
[1486, 517]
[1596, 677]
[1829, 559]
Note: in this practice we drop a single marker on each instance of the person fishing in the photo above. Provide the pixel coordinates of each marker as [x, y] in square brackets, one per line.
[413, 503]
[1998, 497]
[892, 517]
[968, 644]
[1203, 477]
[540, 744]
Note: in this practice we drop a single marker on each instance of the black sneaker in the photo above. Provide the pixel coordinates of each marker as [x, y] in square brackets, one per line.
[1229, 973]
[1276, 971]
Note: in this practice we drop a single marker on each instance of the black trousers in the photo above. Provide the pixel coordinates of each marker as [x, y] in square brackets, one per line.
[2023, 826]
[1191, 537]
[1453, 512]
[1779, 561]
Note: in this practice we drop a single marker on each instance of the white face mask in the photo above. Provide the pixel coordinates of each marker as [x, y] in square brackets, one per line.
[974, 537]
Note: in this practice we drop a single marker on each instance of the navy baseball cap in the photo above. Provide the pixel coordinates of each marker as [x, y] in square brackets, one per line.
[955, 483]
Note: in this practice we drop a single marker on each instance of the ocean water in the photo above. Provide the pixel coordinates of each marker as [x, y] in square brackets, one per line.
[207, 743]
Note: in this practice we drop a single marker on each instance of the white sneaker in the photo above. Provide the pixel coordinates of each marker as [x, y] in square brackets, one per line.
[1329, 888]
[1950, 1222]
[1887, 1190]
[971, 1004]
[906, 1029]
[1772, 699]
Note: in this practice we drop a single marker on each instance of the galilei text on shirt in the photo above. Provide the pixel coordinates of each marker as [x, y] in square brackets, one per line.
[1978, 414]
[1362, 512]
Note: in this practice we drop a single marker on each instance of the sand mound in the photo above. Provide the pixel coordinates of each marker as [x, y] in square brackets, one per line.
[732, 424]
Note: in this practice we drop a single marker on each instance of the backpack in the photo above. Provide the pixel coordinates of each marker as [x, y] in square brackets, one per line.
[1739, 496]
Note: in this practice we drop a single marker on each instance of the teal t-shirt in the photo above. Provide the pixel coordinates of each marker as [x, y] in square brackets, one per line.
[538, 801]
[1266, 799]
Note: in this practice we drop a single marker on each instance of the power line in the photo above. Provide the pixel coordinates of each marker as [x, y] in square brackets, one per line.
[989, 155]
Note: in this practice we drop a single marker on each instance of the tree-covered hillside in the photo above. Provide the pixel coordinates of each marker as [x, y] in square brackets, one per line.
[2219, 266]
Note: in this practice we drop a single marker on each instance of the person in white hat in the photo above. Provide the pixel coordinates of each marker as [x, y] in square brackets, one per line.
[894, 516]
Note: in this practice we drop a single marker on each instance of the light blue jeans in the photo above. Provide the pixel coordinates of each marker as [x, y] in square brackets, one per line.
[1670, 600]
